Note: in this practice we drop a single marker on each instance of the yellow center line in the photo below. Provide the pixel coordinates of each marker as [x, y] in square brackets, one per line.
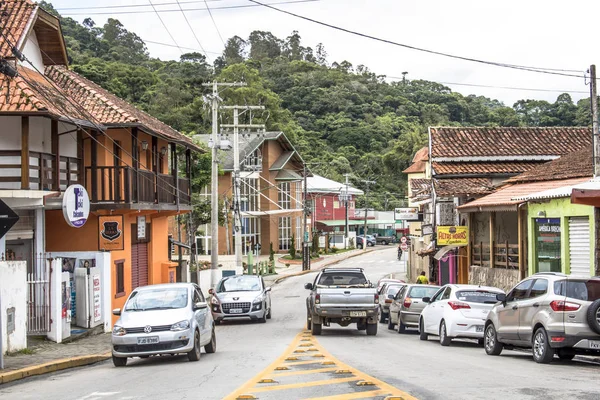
[292, 363]
[304, 372]
[303, 384]
[356, 395]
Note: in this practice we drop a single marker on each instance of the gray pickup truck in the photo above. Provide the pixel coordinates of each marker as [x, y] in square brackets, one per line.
[342, 296]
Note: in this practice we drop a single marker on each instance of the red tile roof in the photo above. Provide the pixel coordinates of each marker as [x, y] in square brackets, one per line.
[108, 109]
[457, 142]
[574, 165]
[463, 186]
[14, 16]
[503, 199]
[456, 168]
[419, 162]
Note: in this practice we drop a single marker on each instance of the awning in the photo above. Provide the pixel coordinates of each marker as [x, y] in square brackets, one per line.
[442, 252]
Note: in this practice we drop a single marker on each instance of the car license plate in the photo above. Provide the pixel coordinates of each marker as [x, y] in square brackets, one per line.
[358, 313]
[594, 344]
[148, 340]
[236, 311]
[478, 328]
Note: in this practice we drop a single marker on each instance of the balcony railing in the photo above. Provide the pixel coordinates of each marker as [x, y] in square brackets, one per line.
[41, 171]
[123, 184]
[506, 255]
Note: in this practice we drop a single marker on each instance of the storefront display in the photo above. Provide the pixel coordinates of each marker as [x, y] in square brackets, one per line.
[548, 243]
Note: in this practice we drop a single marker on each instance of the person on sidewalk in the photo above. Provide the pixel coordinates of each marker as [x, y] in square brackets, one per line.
[422, 279]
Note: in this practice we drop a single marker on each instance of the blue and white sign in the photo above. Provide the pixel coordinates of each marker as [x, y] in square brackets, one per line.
[76, 206]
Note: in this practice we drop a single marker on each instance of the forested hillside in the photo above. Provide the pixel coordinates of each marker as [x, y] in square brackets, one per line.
[343, 118]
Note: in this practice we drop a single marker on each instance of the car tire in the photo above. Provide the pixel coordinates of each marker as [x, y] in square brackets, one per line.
[119, 361]
[211, 347]
[491, 344]
[401, 326]
[194, 354]
[316, 329]
[382, 316]
[391, 325]
[263, 319]
[422, 334]
[308, 321]
[444, 338]
[542, 352]
[593, 316]
[269, 314]
[369, 244]
[384, 243]
[371, 329]
[359, 246]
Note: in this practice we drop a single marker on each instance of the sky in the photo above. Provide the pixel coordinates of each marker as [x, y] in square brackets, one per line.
[555, 34]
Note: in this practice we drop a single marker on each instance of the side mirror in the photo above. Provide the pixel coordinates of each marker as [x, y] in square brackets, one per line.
[211, 291]
[200, 305]
[116, 311]
[426, 299]
[308, 286]
[501, 297]
[268, 289]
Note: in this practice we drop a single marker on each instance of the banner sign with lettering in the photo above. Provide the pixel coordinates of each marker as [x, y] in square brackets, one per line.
[452, 235]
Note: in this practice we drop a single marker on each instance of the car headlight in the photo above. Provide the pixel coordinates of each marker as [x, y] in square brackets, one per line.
[181, 326]
[214, 300]
[119, 331]
[259, 299]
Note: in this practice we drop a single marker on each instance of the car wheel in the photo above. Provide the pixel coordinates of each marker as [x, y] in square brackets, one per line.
[316, 329]
[119, 361]
[194, 354]
[211, 347]
[401, 326]
[308, 321]
[359, 246]
[269, 314]
[491, 344]
[263, 319]
[382, 316]
[564, 354]
[371, 329]
[384, 243]
[369, 244]
[217, 322]
[422, 334]
[444, 339]
[593, 316]
[542, 352]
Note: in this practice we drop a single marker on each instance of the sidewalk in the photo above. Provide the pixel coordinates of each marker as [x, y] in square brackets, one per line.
[50, 357]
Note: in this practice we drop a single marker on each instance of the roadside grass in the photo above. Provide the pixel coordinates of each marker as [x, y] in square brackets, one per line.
[25, 351]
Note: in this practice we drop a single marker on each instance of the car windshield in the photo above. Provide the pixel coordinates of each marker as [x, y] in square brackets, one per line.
[586, 290]
[422, 291]
[477, 296]
[343, 279]
[244, 283]
[392, 290]
[157, 299]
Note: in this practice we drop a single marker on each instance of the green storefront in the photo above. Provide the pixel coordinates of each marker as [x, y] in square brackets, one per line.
[561, 237]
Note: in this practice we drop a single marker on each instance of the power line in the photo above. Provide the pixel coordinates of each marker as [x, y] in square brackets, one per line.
[551, 71]
[165, 26]
[192, 29]
[214, 23]
[133, 5]
[189, 9]
[182, 47]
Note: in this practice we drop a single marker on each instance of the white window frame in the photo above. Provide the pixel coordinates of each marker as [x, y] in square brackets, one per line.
[299, 238]
[284, 199]
[285, 232]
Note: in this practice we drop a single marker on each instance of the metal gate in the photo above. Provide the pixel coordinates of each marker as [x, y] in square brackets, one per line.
[38, 296]
[139, 265]
[579, 246]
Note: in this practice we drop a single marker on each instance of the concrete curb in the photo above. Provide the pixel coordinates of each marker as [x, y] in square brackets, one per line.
[52, 366]
[320, 267]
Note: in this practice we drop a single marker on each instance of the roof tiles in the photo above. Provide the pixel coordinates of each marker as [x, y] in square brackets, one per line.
[14, 16]
[463, 186]
[456, 168]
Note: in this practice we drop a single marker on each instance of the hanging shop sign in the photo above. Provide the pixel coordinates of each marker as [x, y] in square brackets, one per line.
[452, 235]
[406, 214]
[141, 227]
[110, 235]
[76, 206]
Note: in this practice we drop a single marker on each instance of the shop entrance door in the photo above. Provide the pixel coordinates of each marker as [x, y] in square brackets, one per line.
[139, 265]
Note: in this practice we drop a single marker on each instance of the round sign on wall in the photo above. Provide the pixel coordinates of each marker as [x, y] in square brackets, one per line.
[403, 239]
[76, 206]
[404, 247]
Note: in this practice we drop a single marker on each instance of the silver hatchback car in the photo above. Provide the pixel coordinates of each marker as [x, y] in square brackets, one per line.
[241, 297]
[407, 305]
[551, 313]
[163, 319]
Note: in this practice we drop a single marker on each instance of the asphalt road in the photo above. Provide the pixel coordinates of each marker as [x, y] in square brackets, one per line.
[342, 363]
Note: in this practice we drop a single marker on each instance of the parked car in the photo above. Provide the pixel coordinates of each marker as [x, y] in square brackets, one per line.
[386, 297]
[241, 297]
[383, 281]
[457, 311]
[406, 308]
[370, 241]
[385, 240]
[342, 296]
[163, 319]
[551, 313]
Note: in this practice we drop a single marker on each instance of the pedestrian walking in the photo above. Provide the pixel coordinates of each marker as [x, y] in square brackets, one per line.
[399, 251]
[422, 279]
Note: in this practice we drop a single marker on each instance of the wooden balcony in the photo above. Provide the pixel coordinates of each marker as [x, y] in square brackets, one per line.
[506, 255]
[124, 185]
[42, 172]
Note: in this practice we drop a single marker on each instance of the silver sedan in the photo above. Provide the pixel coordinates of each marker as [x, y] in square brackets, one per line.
[241, 297]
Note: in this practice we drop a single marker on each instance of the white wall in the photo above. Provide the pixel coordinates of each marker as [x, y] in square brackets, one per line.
[68, 141]
[13, 293]
[32, 52]
[39, 135]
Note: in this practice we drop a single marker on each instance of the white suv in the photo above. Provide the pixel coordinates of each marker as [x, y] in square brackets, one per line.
[551, 313]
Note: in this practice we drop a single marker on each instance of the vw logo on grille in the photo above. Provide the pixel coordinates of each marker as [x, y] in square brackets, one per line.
[236, 298]
[147, 329]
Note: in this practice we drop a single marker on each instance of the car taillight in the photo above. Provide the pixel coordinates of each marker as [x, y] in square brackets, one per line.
[455, 305]
[376, 299]
[317, 299]
[561, 305]
[407, 302]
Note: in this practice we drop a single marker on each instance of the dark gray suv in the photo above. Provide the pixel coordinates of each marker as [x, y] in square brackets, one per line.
[551, 313]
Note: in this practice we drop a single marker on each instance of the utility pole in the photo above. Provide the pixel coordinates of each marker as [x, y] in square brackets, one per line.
[596, 155]
[346, 200]
[305, 250]
[214, 190]
[366, 211]
[237, 218]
